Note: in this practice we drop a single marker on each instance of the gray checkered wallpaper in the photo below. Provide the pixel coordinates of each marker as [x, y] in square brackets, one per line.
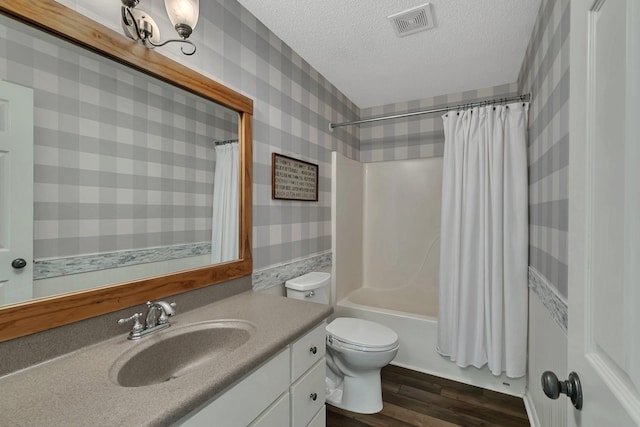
[418, 136]
[293, 105]
[121, 161]
[545, 73]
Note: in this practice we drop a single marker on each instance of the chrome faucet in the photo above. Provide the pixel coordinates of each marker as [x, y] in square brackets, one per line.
[157, 318]
[158, 313]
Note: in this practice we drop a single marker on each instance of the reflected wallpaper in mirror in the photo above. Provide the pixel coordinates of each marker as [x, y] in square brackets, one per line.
[123, 165]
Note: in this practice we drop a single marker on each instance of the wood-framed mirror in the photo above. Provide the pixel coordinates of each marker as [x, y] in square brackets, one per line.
[41, 314]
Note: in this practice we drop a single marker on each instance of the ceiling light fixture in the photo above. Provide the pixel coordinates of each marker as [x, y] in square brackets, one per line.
[138, 25]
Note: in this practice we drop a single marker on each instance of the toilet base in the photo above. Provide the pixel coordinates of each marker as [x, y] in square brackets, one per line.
[362, 394]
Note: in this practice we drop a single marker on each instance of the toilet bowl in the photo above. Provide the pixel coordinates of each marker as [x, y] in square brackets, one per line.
[357, 350]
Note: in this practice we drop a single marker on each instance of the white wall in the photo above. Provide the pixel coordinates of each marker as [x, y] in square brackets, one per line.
[402, 201]
[346, 225]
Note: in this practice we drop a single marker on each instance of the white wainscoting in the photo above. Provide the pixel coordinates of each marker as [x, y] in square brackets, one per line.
[547, 352]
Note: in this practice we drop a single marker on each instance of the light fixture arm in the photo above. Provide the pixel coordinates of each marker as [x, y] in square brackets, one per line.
[144, 30]
[178, 41]
[126, 14]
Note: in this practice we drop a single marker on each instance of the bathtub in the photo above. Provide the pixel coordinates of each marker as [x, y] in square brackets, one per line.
[386, 270]
[417, 329]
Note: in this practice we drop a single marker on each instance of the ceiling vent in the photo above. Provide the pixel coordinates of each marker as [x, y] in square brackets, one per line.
[412, 20]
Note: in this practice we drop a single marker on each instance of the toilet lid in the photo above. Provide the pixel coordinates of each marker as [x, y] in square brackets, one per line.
[362, 334]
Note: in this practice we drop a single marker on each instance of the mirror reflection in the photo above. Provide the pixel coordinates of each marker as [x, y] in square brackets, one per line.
[132, 177]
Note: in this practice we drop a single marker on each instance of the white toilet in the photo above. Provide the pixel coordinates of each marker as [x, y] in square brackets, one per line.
[356, 350]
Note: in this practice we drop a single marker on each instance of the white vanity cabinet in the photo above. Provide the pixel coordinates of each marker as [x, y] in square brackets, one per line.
[287, 390]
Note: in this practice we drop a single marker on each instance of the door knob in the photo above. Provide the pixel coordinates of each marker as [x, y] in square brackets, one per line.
[552, 387]
[18, 263]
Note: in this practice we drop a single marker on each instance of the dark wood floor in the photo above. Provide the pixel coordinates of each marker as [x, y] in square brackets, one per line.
[415, 399]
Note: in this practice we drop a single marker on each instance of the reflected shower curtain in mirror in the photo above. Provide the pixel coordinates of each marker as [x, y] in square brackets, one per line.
[224, 227]
[483, 266]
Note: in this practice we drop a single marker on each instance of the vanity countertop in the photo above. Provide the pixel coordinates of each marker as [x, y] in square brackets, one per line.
[75, 389]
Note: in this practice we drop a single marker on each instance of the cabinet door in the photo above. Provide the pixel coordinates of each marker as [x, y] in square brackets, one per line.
[308, 394]
[320, 420]
[277, 415]
[243, 402]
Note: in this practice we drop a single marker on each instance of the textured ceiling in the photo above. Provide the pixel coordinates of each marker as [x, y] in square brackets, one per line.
[475, 44]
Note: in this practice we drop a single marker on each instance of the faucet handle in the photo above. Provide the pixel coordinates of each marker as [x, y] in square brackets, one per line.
[137, 325]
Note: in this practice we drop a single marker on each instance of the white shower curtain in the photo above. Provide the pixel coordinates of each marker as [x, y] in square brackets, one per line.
[482, 316]
[224, 227]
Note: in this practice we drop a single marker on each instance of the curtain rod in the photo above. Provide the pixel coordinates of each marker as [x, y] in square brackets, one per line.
[227, 141]
[524, 97]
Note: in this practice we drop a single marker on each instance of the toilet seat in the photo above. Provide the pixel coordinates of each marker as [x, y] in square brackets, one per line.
[361, 335]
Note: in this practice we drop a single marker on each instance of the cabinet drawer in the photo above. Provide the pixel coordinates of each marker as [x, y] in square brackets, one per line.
[308, 394]
[277, 415]
[320, 420]
[307, 351]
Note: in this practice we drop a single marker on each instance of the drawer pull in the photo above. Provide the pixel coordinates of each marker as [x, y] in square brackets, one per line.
[313, 349]
[313, 396]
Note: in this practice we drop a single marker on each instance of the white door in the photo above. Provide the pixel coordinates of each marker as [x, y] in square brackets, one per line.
[16, 193]
[604, 218]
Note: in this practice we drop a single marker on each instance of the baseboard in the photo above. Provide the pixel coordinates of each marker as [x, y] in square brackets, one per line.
[531, 410]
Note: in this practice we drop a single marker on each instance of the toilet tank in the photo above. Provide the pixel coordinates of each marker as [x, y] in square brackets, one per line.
[313, 287]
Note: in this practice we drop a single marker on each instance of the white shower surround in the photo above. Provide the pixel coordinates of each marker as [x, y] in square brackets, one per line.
[382, 215]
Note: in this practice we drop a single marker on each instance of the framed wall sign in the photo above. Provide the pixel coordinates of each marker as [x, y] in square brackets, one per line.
[293, 179]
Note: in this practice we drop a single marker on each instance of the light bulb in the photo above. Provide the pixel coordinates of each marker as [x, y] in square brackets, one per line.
[183, 12]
